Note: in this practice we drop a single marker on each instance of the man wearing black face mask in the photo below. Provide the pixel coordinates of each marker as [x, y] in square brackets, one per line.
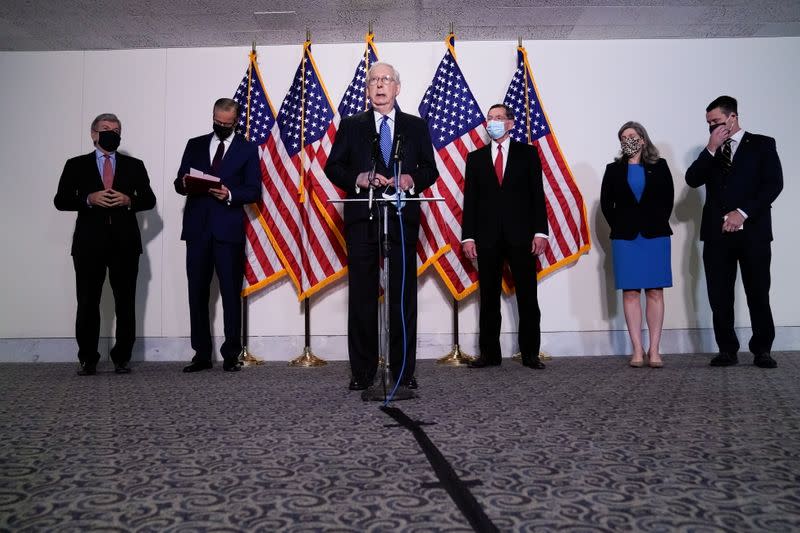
[743, 177]
[213, 228]
[106, 188]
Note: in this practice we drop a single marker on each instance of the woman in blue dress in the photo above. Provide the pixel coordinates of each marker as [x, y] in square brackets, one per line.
[636, 197]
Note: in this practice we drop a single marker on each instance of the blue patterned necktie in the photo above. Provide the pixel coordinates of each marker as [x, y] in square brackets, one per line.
[386, 140]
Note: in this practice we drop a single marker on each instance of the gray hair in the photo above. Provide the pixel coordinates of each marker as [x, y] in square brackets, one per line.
[395, 73]
[649, 152]
[226, 104]
[105, 117]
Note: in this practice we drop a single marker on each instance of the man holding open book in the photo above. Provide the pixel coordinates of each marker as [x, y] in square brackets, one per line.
[219, 174]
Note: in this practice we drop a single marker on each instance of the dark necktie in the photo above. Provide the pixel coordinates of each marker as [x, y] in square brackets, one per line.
[727, 157]
[108, 172]
[498, 164]
[386, 140]
[217, 162]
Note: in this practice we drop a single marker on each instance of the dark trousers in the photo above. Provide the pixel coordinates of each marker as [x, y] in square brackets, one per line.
[363, 305]
[90, 274]
[203, 257]
[490, 278]
[720, 258]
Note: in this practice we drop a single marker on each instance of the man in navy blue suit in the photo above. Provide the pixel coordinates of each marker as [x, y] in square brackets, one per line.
[213, 228]
[743, 177]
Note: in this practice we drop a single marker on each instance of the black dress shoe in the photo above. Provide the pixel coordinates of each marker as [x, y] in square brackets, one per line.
[532, 362]
[357, 384]
[122, 368]
[231, 366]
[483, 362]
[198, 366]
[87, 369]
[764, 360]
[724, 359]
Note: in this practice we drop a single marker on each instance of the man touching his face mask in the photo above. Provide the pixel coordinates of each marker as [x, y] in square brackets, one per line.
[742, 175]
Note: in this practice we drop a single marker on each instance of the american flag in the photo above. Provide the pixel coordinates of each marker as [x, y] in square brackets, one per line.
[353, 101]
[457, 127]
[256, 121]
[310, 240]
[566, 212]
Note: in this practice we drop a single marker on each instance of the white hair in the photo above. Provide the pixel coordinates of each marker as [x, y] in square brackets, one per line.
[395, 73]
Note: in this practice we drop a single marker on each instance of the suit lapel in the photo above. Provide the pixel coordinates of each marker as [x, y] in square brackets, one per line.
[92, 171]
[744, 147]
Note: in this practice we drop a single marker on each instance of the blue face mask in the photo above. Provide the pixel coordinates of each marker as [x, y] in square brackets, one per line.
[496, 128]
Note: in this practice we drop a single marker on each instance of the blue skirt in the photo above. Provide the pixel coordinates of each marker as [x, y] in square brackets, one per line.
[642, 263]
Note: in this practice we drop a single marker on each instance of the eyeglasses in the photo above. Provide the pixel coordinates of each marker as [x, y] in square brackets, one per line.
[385, 80]
[115, 130]
[225, 124]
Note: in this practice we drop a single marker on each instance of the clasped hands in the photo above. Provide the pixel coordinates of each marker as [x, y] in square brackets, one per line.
[109, 198]
[379, 180]
[732, 222]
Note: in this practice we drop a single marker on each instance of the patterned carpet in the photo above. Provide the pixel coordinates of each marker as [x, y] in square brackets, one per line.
[586, 445]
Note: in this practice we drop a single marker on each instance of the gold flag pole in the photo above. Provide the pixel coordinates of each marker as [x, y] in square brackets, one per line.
[456, 357]
[307, 359]
[246, 357]
[542, 355]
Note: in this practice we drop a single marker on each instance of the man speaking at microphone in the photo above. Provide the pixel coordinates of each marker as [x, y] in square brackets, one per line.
[380, 141]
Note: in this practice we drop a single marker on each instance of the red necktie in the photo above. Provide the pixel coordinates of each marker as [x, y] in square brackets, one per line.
[498, 164]
[108, 172]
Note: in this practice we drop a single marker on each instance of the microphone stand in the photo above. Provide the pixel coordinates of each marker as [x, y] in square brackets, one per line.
[380, 391]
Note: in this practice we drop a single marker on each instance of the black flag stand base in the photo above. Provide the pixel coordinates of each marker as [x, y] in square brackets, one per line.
[245, 357]
[456, 357]
[307, 359]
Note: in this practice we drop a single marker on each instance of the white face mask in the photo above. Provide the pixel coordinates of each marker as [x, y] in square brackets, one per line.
[496, 128]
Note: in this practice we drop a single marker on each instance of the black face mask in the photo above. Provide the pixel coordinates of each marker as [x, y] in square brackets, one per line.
[108, 140]
[223, 132]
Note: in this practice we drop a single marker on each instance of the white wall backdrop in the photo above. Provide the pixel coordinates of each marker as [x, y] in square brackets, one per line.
[588, 88]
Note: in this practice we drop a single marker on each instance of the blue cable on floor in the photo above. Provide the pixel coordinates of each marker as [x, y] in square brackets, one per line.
[402, 291]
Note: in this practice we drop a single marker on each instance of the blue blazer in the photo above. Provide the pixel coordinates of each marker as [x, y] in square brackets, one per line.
[204, 215]
[753, 183]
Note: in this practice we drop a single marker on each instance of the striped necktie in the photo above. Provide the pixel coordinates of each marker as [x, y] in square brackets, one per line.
[727, 157]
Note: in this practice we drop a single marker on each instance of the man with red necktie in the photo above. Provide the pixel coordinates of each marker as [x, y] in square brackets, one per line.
[106, 188]
[505, 220]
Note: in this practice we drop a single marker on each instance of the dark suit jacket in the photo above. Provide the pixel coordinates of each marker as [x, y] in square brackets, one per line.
[104, 229]
[629, 218]
[514, 212]
[240, 172]
[352, 153]
[754, 182]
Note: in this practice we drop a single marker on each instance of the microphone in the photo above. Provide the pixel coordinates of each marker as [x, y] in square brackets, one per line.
[398, 148]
